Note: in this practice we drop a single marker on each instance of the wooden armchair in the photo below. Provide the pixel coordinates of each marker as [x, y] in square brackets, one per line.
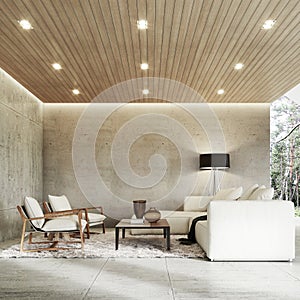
[53, 222]
[61, 203]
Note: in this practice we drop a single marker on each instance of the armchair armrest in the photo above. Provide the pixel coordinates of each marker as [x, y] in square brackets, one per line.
[196, 203]
[99, 208]
[64, 213]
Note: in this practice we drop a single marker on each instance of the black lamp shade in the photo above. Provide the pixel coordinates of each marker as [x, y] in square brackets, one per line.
[214, 161]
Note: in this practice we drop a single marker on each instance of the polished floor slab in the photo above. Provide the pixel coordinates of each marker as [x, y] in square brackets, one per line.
[159, 278]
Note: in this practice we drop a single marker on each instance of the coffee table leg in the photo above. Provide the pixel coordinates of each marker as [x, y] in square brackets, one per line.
[168, 237]
[117, 238]
[123, 233]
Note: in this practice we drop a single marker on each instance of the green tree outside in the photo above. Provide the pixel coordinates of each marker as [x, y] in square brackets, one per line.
[285, 149]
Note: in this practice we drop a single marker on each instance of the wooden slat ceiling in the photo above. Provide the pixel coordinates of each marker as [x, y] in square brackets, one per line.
[195, 42]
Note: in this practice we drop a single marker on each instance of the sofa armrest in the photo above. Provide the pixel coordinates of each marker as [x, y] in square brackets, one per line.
[251, 230]
[196, 203]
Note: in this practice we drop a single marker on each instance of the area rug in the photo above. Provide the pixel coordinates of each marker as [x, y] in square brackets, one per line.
[103, 246]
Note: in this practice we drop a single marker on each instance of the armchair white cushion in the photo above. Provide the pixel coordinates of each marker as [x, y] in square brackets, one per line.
[34, 210]
[60, 203]
[63, 224]
[94, 218]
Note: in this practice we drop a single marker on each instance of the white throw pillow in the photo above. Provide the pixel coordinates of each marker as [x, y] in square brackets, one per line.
[34, 210]
[196, 203]
[59, 203]
[249, 191]
[262, 194]
[228, 194]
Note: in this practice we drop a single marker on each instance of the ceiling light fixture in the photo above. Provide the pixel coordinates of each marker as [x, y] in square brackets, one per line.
[239, 66]
[268, 24]
[25, 24]
[220, 92]
[75, 92]
[142, 24]
[56, 66]
[144, 66]
[146, 92]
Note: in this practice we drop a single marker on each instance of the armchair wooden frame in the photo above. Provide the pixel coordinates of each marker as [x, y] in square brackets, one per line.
[52, 215]
[48, 209]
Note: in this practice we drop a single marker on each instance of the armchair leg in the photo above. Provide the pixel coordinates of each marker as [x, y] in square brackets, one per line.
[81, 236]
[23, 237]
[88, 230]
[103, 227]
[30, 238]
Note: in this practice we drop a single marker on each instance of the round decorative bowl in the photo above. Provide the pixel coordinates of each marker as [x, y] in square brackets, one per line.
[152, 215]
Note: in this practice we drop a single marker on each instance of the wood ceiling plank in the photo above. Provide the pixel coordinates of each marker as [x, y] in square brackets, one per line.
[195, 42]
[254, 56]
[59, 32]
[265, 66]
[182, 36]
[231, 52]
[18, 43]
[222, 58]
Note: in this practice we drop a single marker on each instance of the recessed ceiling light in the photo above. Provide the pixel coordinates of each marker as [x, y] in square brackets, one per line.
[144, 66]
[239, 66]
[268, 24]
[142, 24]
[75, 92]
[146, 92]
[220, 92]
[56, 66]
[25, 24]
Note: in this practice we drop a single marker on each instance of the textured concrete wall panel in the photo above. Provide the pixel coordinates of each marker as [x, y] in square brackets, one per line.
[21, 152]
[136, 141]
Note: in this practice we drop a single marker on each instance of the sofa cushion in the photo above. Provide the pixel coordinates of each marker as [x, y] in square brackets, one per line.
[228, 194]
[178, 221]
[34, 210]
[59, 203]
[249, 191]
[196, 203]
[262, 194]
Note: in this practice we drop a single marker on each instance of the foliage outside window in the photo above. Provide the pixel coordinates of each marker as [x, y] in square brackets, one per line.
[285, 149]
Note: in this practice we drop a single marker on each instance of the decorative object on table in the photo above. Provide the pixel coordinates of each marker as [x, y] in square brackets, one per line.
[139, 207]
[152, 215]
[214, 162]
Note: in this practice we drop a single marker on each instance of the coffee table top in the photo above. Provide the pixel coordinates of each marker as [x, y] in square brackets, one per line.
[126, 223]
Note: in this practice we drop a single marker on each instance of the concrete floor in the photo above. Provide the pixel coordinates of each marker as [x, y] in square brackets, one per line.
[149, 278]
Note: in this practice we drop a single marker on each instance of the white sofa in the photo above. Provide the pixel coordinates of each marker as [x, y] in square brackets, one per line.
[194, 206]
[256, 230]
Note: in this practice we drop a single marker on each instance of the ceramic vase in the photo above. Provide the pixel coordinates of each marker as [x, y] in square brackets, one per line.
[139, 207]
[152, 215]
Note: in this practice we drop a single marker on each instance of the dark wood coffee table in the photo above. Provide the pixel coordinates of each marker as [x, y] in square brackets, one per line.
[126, 224]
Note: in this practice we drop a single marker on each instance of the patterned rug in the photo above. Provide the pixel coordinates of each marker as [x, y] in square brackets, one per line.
[103, 246]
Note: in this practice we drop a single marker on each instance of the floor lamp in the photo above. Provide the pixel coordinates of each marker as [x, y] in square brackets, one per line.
[214, 162]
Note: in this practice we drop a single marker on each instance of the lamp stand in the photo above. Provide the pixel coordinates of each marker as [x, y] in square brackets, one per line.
[216, 183]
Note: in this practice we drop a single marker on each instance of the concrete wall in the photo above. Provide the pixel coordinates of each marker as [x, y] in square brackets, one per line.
[20, 152]
[109, 154]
